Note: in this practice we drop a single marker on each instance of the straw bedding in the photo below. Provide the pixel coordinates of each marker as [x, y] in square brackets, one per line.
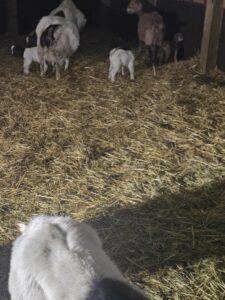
[142, 161]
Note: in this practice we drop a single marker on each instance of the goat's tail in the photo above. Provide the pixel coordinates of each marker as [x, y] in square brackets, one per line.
[17, 50]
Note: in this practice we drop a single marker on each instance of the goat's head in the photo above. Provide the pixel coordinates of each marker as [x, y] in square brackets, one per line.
[178, 37]
[134, 7]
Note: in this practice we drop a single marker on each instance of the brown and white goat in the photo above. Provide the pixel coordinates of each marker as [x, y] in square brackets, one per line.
[150, 28]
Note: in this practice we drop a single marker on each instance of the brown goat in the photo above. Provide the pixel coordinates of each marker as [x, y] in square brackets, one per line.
[150, 28]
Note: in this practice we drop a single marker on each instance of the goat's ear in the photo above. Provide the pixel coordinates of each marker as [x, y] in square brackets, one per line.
[21, 226]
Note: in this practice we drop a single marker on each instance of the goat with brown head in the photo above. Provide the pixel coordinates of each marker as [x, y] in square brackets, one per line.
[150, 28]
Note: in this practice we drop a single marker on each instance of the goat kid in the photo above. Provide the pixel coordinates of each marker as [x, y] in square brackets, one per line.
[29, 56]
[58, 258]
[172, 49]
[120, 59]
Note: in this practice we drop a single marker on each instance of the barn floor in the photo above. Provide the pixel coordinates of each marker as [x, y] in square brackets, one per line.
[142, 161]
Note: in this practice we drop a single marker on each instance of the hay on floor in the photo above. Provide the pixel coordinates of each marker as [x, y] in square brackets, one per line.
[142, 161]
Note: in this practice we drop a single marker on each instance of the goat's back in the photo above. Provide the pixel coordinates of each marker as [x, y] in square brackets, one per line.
[151, 28]
[71, 12]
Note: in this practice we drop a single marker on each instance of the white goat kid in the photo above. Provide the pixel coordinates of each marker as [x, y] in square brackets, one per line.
[119, 59]
[29, 55]
[58, 258]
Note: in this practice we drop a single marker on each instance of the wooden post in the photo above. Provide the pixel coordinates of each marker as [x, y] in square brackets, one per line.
[12, 18]
[211, 35]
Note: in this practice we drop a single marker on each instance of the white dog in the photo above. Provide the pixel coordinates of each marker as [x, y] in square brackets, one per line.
[119, 59]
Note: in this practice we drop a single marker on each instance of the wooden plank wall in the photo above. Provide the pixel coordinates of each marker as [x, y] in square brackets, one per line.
[211, 35]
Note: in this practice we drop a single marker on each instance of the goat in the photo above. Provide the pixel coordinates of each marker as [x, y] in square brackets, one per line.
[68, 10]
[150, 29]
[57, 258]
[120, 58]
[30, 55]
[172, 49]
[57, 40]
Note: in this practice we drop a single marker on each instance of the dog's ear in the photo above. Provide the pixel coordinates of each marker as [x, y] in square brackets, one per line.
[21, 227]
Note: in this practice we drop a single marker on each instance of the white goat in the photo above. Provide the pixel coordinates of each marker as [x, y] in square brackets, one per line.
[30, 55]
[58, 258]
[57, 40]
[120, 58]
[70, 12]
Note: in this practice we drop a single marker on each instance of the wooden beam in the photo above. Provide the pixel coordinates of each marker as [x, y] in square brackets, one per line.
[202, 2]
[211, 35]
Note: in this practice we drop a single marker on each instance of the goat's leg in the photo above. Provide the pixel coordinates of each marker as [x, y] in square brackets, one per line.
[162, 56]
[115, 70]
[150, 55]
[66, 64]
[131, 70]
[26, 66]
[57, 71]
[141, 48]
[110, 71]
[122, 70]
[43, 67]
[155, 54]
[175, 54]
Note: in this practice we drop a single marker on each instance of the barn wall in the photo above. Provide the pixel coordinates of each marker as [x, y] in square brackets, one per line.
[2, 18]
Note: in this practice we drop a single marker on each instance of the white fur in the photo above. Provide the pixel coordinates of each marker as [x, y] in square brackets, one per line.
[57, 258]
[119, 59]
[72, 13]
[67, 40]
[30, 55]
